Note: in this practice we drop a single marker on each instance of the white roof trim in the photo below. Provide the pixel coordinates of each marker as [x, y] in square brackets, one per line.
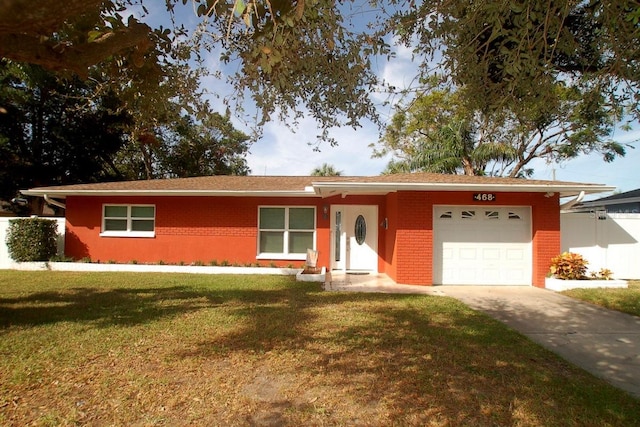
[61, 194]
[328, 189]
[334, 188]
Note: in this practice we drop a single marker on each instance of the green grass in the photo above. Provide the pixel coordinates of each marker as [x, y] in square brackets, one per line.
[168, 349]
[624, 300]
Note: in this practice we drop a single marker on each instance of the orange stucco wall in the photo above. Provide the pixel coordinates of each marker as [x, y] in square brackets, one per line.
[190, 229]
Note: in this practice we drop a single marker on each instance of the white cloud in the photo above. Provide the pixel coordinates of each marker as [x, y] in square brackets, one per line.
[284, 152]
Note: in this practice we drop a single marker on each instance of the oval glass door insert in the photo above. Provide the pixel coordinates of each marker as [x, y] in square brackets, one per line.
[360, 229]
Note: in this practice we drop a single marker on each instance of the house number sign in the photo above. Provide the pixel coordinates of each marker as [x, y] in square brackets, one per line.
[484, 197]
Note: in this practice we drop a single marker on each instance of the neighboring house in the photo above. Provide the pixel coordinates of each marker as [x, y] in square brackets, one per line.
[628, 202]
[606, 232]
[417, 228]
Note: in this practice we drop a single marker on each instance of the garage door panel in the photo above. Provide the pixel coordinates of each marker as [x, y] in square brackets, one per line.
[468, 254]
[467, 275]
[491, 254]
[490, 275]
[514, 275]
[477, 245]
[515, 254]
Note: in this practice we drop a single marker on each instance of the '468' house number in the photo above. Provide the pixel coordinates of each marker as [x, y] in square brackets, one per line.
[484, 197]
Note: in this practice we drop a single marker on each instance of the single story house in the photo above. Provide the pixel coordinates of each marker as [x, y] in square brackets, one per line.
[623, 203]
[417, 228]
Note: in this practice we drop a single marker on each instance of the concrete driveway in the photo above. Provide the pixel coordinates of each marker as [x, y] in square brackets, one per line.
[603, 342]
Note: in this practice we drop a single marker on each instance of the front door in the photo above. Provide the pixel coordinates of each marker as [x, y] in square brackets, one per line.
[354, 237]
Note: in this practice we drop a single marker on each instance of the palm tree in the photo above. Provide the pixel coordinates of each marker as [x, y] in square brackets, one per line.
[326, 170]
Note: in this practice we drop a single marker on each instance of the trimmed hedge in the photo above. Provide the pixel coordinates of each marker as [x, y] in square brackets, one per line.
[32, 239]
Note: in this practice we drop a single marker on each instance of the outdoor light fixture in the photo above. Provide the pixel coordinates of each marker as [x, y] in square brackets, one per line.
[385, 223]
[325, 212]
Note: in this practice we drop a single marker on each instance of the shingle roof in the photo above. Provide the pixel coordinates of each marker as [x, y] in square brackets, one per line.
[309, 185]
[620, 197]
[632, 196]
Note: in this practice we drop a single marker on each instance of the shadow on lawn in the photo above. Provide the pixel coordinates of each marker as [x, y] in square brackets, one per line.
[108, 307]
[407, 359]
[417, 358]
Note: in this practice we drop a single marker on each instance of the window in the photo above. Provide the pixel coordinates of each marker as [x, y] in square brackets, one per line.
[128, 220]
[492, 215]
[360, 230]
[446, 215]
[468, 214]
[286, 232]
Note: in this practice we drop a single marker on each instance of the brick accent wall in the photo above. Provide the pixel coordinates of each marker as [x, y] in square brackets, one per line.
[411, 260]
[414, 238]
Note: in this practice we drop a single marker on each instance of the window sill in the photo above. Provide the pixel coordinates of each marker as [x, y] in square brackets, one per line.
[145, 234]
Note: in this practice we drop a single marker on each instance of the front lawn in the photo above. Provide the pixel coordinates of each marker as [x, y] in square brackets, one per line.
[624, 300]
[168, 349]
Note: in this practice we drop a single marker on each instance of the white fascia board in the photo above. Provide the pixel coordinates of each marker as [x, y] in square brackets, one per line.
[62, 194]
[328, 188]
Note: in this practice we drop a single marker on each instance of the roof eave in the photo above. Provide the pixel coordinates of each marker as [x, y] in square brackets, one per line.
[63, 194]
[327, 189]
[611, 202]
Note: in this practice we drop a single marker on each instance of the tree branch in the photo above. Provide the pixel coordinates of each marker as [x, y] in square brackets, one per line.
[41, 17]
[76, 58]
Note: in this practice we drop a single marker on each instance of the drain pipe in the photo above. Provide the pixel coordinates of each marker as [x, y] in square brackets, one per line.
[570, 203]
[54, 202]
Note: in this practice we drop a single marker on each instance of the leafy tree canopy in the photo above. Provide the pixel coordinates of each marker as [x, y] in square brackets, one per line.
[318, 55]
[437, 132]
[56, 130]
[326, 170]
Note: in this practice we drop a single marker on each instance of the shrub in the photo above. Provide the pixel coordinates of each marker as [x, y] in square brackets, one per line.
[569, 266]
[32, 239]
[603, 274]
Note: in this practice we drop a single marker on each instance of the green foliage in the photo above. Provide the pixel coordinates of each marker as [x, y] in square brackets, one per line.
[32, 239]
[54, 130]
[438, 132]
[569, 266]
[213, 147]
[508, 60]
[626, 300]
[326, 170]
[509, 54]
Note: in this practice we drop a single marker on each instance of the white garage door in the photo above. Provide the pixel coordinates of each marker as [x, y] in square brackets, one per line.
[480, 245]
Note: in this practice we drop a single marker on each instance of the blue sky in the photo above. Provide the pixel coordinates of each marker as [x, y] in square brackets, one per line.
[281, 151]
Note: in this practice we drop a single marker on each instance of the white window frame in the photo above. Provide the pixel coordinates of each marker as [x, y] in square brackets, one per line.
[285, 255]
[128, 232]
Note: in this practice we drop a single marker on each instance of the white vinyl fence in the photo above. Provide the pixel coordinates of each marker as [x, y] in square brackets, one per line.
[5, 260]
[605, 240]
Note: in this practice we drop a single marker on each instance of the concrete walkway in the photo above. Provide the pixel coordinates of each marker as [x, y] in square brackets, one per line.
[603, 342]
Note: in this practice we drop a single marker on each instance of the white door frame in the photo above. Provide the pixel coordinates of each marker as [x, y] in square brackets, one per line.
[346, 253]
